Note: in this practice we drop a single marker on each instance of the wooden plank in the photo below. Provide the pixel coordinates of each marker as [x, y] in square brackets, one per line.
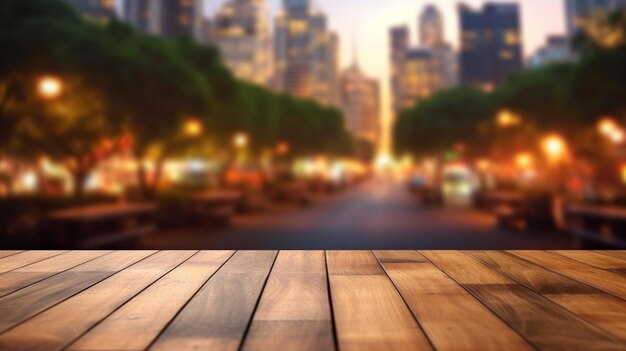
[621, 254]
[7, 253]
[58, 326]
[218, 316]
[27, 275]
[595, 259]
[592, 305]
[136, 324]
[542, 322]
[451, 317]
[294, 310]
[24, 259]
[27, 302]
[369, 312]
[610, 282]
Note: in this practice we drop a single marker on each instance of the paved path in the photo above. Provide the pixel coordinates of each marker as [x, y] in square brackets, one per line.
[377, 215]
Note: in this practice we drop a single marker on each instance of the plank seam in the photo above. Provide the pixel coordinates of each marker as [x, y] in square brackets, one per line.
[69, 297]
[57, 273]
[15, 253]
[556, 252]
[330, 302]
[256, 304]
[581, 319]
[567, 276]
[536, 347]
[406, 303]
[28, 264]
[189, 300]
[129, 299]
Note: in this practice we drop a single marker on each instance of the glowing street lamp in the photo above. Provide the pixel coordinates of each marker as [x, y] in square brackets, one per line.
[607, 126]
[282, 148]
[192, 128]
[49, 87]
[554, 147]
[507, 119]
[241, 140]
[524, 160]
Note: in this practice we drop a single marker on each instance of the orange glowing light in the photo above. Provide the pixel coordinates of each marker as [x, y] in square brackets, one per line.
[507, 119]
[554, 146]
[623, 173]
[607, 126]
[49, 87]
[193, 127]
[483, 165]
[241, 140]
[524, 160]
[282, 148]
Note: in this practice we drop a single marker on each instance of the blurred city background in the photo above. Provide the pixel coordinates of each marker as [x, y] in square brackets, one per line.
[301, 124]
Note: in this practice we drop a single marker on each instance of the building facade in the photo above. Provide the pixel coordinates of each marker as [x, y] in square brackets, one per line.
[421, 76]
[360, 102]
[306, 55]
[168, 18]
[99, 11]
[491, 47]
[580, 12]
[241, 32]
[431, 34]
[556, 50]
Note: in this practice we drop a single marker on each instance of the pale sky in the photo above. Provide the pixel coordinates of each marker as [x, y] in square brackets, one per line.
[368, 22]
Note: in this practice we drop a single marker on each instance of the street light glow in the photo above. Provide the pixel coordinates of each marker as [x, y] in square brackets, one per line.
[193, 127]
[524, 160]
[49, 87]
[240, 140]
[554, 146]
[507, 119]
[282, 148]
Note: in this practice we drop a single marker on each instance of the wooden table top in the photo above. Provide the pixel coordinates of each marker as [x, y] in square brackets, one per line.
[312, 300]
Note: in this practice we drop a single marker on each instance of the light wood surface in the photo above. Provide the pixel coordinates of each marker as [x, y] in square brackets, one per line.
[312, 300]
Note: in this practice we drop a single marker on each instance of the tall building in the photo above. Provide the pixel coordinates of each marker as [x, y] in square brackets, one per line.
[420, 77]
[580, 12]
[100, 11]
[169, 18]
[431, 34]
[491, 47]
[241, 32]
[399, 44]
[360, 102]
[556, 50]
[306, 53]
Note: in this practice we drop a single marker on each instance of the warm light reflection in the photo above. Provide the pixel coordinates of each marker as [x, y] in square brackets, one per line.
[554, 147]
[524, 160]
[193, 127]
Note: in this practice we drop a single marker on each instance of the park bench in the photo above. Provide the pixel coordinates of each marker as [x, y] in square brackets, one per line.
[101, 226]
[216, 207]
[603, 225]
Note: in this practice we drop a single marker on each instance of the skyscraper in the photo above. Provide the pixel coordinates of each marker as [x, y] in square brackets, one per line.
[360, 102]
[399, 44]
[100, 11]
[580, 12]
[169, 18]
[420, 77]
[306, 53]
[491, 47]
[431, 34]
[241, 32]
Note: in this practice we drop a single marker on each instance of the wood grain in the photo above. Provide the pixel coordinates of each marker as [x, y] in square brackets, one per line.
[25, 258]
[369, 312]
[294, 310]
[607, 281]
[218, 316]
[542, 322]
[60, 325]
[604, 310]
[435, 300]
[27, 275]
[25, 303]
[6, 253]
[139, 322]
[595, 259]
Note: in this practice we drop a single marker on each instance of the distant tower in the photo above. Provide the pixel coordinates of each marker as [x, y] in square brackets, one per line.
[241, 32]
[169, 18]
[100, 11]
[431, 27]
[398, 45]
[306, 53]
[491, 47]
